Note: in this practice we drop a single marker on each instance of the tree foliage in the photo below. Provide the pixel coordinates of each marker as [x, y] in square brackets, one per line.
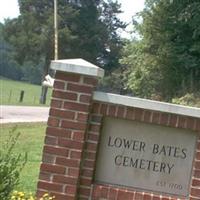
[11, 164]
[165, 61]
[8, 66]
[86, 29]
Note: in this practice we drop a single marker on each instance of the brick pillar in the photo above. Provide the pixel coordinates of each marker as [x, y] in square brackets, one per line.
[74, 84]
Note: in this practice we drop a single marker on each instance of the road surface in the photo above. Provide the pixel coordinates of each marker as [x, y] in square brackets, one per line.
[13, 114]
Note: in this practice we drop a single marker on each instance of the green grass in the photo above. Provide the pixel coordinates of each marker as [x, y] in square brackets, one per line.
[10, 93]
[31, 140]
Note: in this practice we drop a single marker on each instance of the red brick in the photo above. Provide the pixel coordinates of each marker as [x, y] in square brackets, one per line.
[56, 150]
[138, 196]
[82, 117]
[83, 198]
[50, 186]
[73, 125]
[64, 95]
[198, 155]
[85, 181]
[67, 76]
[156, 118]
[73, 172]
[90, 155]
[130, 114]
[84, 191]
[164, 119]
[45, 176]
[96, 108]
[120, 111]
[94, 128]
[87, 172]
[197, 173]
[56, 103]
[197, 125]
[62, 113]
[59, 196]
[54, 122]
[52, 168]
[147, 197]
[104, 192]
[50, 140]
[71, 189]
[195, 192]
[78, 135]
[91, 146]
[197, 165]
[147, 116]
[103, 109]
[40, 193]
[190, 122]
[182, 122]
[112, 194]
[166, 198]
[89, 164]
[198, 145]
[67, 162]
[90, 81]
[75, 154]
[112, 110]
[46, 158]
[156, 198]
[124, 195]
[93, 137]
[85, 98]
[76, 106]
[173, 120]
[96, 192]
[59, 132]
[138, 114]
[96, 119]
[193, 198]
[59, 85]
[79, 88]
[65, 179]
[71, 144]
[196, 182]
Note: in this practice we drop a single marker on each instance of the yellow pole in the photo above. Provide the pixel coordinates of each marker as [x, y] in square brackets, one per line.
[55, 31]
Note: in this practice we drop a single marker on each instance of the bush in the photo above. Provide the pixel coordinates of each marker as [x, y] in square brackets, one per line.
[189, 99]
[10, 165]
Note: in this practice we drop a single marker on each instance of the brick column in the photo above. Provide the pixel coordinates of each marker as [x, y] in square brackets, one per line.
[74, 84]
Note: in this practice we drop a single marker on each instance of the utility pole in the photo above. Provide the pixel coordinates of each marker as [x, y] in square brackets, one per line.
[55, 31]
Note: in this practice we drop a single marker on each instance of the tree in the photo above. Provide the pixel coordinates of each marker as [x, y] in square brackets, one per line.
[32, 33]
[166, 58]
[8, 66]
[85, 30]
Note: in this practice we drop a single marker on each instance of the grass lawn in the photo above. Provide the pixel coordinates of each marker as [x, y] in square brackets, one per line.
[10, 93]
[31, 141]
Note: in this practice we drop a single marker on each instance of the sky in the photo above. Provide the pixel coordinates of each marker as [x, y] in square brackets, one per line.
[10, 9]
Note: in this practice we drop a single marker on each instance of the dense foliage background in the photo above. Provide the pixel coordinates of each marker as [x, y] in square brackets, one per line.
[165, 61]
[161, 61]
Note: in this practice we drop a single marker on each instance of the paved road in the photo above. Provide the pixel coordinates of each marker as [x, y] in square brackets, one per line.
[12, 114]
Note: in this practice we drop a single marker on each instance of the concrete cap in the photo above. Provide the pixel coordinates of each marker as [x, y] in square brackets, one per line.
[77, 66]
[146, 104]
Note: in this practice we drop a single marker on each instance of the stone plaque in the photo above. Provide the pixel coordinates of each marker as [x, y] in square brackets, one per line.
[145, 156]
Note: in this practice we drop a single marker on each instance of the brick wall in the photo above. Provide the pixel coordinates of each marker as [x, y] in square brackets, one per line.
[65, 135]
[72, 138]
[88, 187]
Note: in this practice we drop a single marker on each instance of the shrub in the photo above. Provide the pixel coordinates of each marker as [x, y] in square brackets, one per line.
[10, 165]
[189, 99]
